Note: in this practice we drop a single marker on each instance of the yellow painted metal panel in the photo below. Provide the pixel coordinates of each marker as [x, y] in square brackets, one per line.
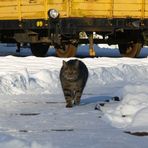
[130, 8]
[87, 8]
[61, 5]
[109, 8]
[39, 8]
[33, 9]
[8, 9]
[36, 9]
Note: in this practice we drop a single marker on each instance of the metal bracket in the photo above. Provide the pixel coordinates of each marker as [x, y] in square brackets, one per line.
[92, 52]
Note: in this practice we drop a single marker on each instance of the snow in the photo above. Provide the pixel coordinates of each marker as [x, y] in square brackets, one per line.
[130, 113]
[32, 105]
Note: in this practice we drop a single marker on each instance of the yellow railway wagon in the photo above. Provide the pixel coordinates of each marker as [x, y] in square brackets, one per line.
[67, 23]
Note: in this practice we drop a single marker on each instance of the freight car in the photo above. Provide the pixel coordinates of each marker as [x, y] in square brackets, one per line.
[65, 24]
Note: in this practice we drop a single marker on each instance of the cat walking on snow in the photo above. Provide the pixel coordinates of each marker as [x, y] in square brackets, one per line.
[73, 77]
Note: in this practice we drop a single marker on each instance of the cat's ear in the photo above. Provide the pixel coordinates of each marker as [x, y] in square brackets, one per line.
[77, 64]
[64, 63]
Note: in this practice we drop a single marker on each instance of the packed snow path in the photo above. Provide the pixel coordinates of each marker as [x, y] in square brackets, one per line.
[33, 113]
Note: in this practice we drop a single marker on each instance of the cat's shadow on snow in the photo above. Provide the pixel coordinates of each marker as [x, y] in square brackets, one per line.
[95, 99]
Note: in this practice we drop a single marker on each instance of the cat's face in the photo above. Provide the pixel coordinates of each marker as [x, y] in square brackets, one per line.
[70, 71]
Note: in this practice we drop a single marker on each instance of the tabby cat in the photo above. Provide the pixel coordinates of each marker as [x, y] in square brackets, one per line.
[73, 77]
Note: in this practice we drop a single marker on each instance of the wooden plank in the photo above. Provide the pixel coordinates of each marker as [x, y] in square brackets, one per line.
[56, 1]
[127, 7]
[13, 9]
[92, 7]
[90, 1]
[127, 1]
[8, 3]
[33, 9]
[31, 2]
[92, 14]
[127, 14]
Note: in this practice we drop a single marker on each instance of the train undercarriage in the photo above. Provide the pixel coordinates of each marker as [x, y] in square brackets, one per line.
[67, 34]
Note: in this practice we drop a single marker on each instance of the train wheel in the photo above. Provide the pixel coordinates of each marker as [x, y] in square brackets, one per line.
[130, 50]
[39, 49]
[68, 50]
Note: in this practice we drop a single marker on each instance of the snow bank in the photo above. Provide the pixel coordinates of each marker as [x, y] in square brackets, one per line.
[101, 76]
[21, 144]
[7, 141]
[123, 77]
[23, 82]
[131, 113]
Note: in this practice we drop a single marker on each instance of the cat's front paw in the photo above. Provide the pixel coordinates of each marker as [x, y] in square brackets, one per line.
[68, 105]
[77, 102]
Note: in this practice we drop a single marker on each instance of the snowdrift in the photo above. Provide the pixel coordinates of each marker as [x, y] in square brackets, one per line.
[123, 77]
[35, 77]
